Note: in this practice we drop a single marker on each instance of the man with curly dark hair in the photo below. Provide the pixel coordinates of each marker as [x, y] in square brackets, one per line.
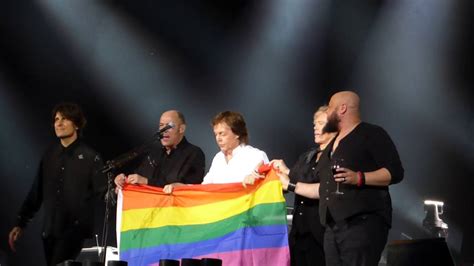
[67, 181]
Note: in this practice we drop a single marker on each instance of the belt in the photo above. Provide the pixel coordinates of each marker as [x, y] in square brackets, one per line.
[344, 224]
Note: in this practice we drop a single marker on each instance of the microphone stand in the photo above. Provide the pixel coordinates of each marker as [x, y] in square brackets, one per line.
[110, 197]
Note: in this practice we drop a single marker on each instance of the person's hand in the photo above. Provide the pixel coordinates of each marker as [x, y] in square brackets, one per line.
[136, 179]
[346, 176]
[282, 172]
[280, 166]
[284, 179]
[119, 181]
[250, 179]
[15, 233]
[168, 188]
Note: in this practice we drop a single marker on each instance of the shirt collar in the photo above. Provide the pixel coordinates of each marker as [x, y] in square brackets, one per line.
[238, 149]
[180, 145]
[70, 147]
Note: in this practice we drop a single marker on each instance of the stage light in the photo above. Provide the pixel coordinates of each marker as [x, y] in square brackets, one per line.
[432, 223]
[133, 70]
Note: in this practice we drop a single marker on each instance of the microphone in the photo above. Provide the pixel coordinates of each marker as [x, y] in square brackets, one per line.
[131, 155]
[168, 126]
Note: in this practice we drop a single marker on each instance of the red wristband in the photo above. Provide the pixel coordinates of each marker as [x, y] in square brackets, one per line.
[361, 179]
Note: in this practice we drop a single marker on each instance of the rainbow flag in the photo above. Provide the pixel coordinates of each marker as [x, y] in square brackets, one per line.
[241, 226]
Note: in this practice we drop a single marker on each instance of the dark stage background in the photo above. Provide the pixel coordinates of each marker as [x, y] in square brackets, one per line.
[275, 61]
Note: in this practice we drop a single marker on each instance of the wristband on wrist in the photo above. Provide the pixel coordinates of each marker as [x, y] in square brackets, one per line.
[291, 187]
[361, 179]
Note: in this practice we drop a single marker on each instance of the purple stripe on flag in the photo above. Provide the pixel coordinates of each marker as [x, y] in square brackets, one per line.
[262, 256]
[248, 238]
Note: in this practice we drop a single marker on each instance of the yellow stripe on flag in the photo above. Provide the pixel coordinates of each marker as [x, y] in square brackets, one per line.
[153, 217]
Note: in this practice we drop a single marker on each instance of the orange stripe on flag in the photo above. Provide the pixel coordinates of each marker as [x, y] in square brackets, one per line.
[188, 196]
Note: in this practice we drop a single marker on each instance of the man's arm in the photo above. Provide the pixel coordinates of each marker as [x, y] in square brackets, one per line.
[33, 200]
[386, 155]
[380, 177]
[30, 206]
[309, 190]
[384, 152]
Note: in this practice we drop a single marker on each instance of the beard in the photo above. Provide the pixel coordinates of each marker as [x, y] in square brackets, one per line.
[333, 123]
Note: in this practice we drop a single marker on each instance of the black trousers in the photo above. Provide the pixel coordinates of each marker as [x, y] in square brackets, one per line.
[305, 250]
[357, 241]
[57, 250]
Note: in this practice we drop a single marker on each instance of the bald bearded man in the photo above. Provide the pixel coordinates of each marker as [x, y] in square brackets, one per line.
[357, 221]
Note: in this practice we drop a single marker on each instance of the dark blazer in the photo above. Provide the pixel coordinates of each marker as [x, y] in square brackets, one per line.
[185, 164]
[66, 183]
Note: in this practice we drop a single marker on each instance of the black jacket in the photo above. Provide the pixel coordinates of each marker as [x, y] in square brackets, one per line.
[66, 183]
[306, 210]
[185, 164]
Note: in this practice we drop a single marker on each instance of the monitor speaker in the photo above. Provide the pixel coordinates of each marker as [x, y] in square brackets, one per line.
[427, 252]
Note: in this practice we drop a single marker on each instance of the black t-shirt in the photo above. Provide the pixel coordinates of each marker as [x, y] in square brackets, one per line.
[366, 148]
[185, 164]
